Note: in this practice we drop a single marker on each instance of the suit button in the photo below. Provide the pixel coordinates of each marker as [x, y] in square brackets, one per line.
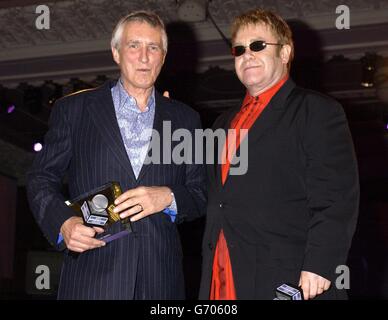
[221, 205]
[210, 246]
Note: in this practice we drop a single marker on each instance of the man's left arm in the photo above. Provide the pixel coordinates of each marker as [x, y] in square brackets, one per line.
[333, 194]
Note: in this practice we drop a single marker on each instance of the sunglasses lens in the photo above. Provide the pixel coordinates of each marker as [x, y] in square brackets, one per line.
[254, 46]
[238, 51]
[257, 46]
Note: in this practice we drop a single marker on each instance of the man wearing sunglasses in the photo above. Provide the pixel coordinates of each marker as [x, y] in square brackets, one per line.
[291, 217]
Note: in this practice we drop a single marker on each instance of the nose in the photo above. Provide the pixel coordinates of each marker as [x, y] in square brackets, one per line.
[248, 52]
[144, 54]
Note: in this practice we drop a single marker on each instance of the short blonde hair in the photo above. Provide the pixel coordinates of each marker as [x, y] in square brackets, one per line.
[279, 27]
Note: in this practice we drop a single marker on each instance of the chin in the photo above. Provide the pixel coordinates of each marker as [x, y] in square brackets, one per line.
[253, 82]
[145, 86]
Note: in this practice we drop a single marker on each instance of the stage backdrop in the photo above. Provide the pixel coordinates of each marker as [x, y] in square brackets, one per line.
[8, 190]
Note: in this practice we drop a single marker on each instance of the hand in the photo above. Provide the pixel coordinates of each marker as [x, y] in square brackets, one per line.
[312, 284]
[143, 201]
[166, 94]
[79, 237]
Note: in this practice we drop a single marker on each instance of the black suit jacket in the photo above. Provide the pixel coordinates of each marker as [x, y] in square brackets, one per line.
[296, 207]
[84, 143]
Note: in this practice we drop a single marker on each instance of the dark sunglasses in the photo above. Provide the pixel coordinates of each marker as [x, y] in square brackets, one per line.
[254, 46]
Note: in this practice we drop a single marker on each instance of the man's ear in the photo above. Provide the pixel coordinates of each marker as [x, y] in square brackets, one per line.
[285, 53]
[116, 55]
[164, 58]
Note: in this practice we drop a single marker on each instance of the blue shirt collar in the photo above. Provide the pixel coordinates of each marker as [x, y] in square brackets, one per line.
[128, 102]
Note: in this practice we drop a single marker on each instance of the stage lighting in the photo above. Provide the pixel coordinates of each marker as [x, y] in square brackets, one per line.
[38, 146]
[368, 63]
[11, 108]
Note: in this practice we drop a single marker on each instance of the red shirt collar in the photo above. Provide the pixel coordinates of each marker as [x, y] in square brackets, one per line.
[267, 95]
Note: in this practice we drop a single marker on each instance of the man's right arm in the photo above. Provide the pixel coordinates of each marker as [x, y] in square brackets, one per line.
[44, 179]
[79, 238]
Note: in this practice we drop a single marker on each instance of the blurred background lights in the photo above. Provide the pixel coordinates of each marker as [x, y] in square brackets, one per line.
[11, 108]
[37, 147]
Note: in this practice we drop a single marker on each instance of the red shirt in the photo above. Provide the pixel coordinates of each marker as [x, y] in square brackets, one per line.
[222, 284]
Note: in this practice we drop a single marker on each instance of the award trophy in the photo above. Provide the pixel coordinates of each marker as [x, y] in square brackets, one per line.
[288, 292]
[96, 209]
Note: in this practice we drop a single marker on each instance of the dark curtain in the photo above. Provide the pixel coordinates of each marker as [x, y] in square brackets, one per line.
[8, 191]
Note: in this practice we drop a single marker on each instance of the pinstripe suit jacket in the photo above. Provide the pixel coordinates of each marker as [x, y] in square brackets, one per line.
[84, 143]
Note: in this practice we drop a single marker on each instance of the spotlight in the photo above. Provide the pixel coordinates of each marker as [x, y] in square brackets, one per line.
[11, 108]
[37, 147]
[368, 69]
[197, 11]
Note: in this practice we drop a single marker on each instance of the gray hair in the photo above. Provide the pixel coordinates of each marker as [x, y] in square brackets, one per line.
[142, 16]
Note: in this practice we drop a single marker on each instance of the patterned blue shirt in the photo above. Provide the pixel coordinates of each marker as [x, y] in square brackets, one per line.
[135, 127]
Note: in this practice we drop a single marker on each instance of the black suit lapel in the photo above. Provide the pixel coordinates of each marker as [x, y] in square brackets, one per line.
[102, 111]
[223, 123]
[162, 113]
[272, 113]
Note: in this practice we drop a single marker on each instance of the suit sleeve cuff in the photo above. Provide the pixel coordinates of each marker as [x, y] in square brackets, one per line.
[172, 210]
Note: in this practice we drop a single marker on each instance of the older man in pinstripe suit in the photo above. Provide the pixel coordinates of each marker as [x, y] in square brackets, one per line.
[100, 135]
